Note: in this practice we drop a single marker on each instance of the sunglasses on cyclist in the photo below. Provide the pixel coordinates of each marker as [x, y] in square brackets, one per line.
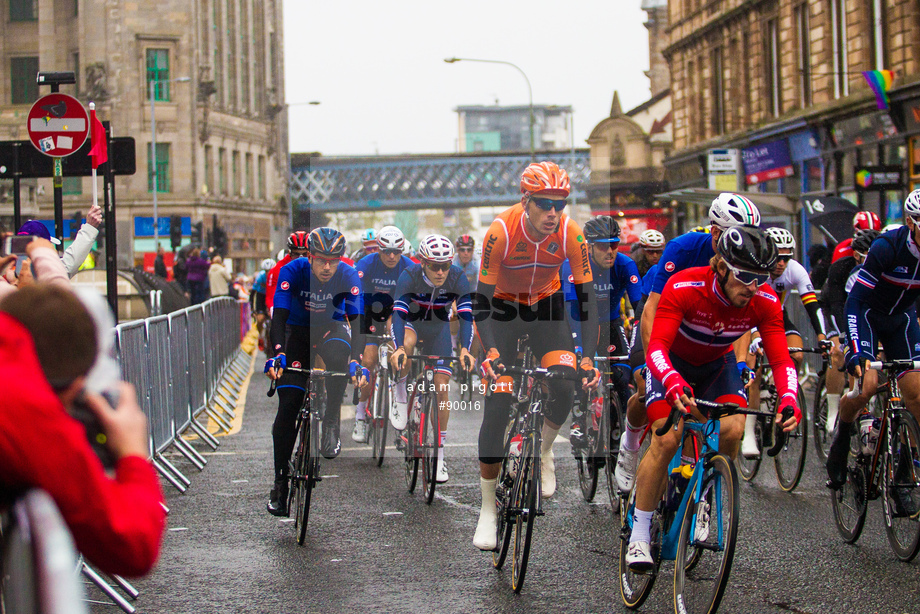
[465, 249]
[785, 258]
[545, 204]
[749, 277]
[438, 267]
[613, 244]
[327, 260]
[391, 252]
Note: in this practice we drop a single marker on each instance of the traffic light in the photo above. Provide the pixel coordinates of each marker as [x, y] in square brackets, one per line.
[220, 241]
[197, 233]
[175, 231]
[76, 220]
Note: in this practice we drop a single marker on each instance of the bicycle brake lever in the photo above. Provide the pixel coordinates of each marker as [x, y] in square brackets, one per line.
[779, 435]
[271, 388]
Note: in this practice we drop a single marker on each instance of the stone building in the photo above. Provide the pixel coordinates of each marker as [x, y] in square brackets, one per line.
[217, 69]
[628, 149]
[779, 85]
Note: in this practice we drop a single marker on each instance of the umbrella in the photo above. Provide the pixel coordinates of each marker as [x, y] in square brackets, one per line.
[832, 215]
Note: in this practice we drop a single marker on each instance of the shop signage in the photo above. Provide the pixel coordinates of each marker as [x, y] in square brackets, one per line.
[878, 178]
[863, 129]
[723, 169]
[767, 161]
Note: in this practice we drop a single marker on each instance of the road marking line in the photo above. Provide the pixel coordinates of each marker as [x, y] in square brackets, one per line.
[239, 481]
[392, 513]
[453, 502]
[179, 529]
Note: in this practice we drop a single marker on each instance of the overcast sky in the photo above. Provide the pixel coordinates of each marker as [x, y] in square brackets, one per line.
[377, 67]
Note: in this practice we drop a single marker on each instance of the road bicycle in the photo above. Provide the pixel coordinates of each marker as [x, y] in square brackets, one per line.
[381, 400]
[303, 473]
[603, 426]
[891, 471]
[789, 462]
[696, 522]
[518, 496]
[421, 438]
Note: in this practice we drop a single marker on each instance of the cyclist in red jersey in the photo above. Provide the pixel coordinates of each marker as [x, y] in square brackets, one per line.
[864, 220]
[702, 311]
[296, 248]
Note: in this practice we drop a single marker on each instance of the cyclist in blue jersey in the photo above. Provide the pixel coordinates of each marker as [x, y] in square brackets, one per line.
[317, 298]
[690, 250]
[424, 294]
[880, 309]
[614, 275]
[379, 273]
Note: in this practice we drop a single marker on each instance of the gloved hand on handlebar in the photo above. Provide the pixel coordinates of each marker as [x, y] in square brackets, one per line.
[788, 401]
[589, 373]
[856, 361]
[756, 346]
[274, 366]
[491, 365]
[675, 387]
[359, 374]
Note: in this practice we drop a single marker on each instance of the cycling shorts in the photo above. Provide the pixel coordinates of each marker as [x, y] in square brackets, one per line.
[434, 335]
[259, 303]
[898, 333]
[717, 381]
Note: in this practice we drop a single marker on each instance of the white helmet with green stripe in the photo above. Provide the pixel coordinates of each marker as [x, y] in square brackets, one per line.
[729, 210]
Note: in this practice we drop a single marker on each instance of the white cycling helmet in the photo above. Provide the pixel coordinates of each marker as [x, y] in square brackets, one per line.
[436, 248]
[912, 204]
[651, 239]
[407, 248]
[729, 210]
[267, 265]
[891, 227]
[782, 237]
[391, 237]
[281, 255]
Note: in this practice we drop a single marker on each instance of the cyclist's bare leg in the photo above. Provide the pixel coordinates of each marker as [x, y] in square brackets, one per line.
[442, 385]
[651, 477]
[856, 400]
[369, 360]
[795, 341]
[635, 406]
[731, 428]
[834, 382]
[910, 392]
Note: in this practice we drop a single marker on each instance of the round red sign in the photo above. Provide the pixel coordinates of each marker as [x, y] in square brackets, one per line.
[58, 125]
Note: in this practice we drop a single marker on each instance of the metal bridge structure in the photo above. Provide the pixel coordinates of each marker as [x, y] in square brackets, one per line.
[431, 181]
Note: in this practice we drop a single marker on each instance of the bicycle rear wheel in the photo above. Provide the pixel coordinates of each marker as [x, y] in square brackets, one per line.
[430, 428]
[700, 589]
[819, 422]
[503, 497]
[790, 462]
[411, 435]
[850, 501]
[748, 467]
[635, 588]
[524, 506]
[381, 417]
[901, 480]
[303, 477]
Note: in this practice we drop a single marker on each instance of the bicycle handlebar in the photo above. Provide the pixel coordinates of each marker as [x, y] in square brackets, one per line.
[542, 373]
[779, 435]
[900, 365]
[807, 350]
[620, 359]
[716, 411]
[312, 372]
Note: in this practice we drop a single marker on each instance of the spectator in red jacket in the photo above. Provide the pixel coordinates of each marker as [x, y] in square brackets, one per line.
[117, 522]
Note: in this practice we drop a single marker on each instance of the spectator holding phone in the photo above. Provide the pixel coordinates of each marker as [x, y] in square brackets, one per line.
[42, 258]
[117, 522]
[76, 254]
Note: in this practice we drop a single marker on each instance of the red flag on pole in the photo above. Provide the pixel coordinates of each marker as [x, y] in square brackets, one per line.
[99, 151]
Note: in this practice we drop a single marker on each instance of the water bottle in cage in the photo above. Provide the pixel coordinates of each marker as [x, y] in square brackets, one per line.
[868, 433]
[514, 454]
[597, 411]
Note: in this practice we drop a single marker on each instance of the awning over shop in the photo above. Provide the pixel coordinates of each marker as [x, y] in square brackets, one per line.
[703, 196]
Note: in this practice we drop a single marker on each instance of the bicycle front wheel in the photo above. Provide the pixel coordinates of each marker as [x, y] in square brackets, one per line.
[431, 439]
[586, 458]
[748, 467]
[304, 477]
[850, 501]
[410, 434]
[710, 527]
[524, 502]
[790, 462]
[634, 587]
[614, 420]
[901, 481]
[819, 423]
[381, 417]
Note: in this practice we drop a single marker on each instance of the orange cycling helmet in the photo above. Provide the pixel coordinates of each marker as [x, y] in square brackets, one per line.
[545, 178]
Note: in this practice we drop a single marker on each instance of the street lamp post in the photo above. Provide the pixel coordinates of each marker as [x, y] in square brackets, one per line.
[153, 151]
[529, 90]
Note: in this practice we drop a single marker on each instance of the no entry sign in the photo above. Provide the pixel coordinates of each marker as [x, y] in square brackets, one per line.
[58, 125]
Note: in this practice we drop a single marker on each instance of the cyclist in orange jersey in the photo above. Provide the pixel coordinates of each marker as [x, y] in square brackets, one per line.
[519, 279]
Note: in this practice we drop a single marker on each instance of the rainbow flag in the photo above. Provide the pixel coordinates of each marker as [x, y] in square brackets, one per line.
[880, 82]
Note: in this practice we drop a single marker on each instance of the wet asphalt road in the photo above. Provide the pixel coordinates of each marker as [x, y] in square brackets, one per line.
[373, 547]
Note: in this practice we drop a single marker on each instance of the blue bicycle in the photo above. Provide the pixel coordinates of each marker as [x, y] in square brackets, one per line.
[696, 521]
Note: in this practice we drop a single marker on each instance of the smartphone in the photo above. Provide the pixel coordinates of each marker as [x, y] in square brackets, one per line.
[16, 244]
[94, 433]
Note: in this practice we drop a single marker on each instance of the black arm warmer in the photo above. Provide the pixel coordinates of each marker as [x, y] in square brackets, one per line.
[277, 333]
[589, 325]
[814, 315]
[482, 314]
[357, 335]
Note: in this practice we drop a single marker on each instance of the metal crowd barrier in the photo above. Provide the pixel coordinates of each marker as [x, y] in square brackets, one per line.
[799, 317]
[183, 365]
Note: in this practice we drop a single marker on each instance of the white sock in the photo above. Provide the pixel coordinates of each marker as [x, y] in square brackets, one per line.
[549, 436]
[488, 497]
[749, 423]
[633, 436]
[642, 526]
[361, 411]
[401, 394]
[833, 405]
[441, 447]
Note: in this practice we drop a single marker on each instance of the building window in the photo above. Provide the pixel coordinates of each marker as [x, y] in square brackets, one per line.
[218, 22]
[698, 85]
[804, 54]
[718, 92]
[222, 170]
[877, 23]
[262, 177]
[23, 10]
[158, 73]
[690, 100]
[236, 174]
[73, 185]
[233, 86]
[249, 191]
[771, 64]
[23, 88]
[839, 46]
[161, 166]
[208, 169]
[245, 90]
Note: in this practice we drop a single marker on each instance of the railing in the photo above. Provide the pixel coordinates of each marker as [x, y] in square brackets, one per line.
[185, 365]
